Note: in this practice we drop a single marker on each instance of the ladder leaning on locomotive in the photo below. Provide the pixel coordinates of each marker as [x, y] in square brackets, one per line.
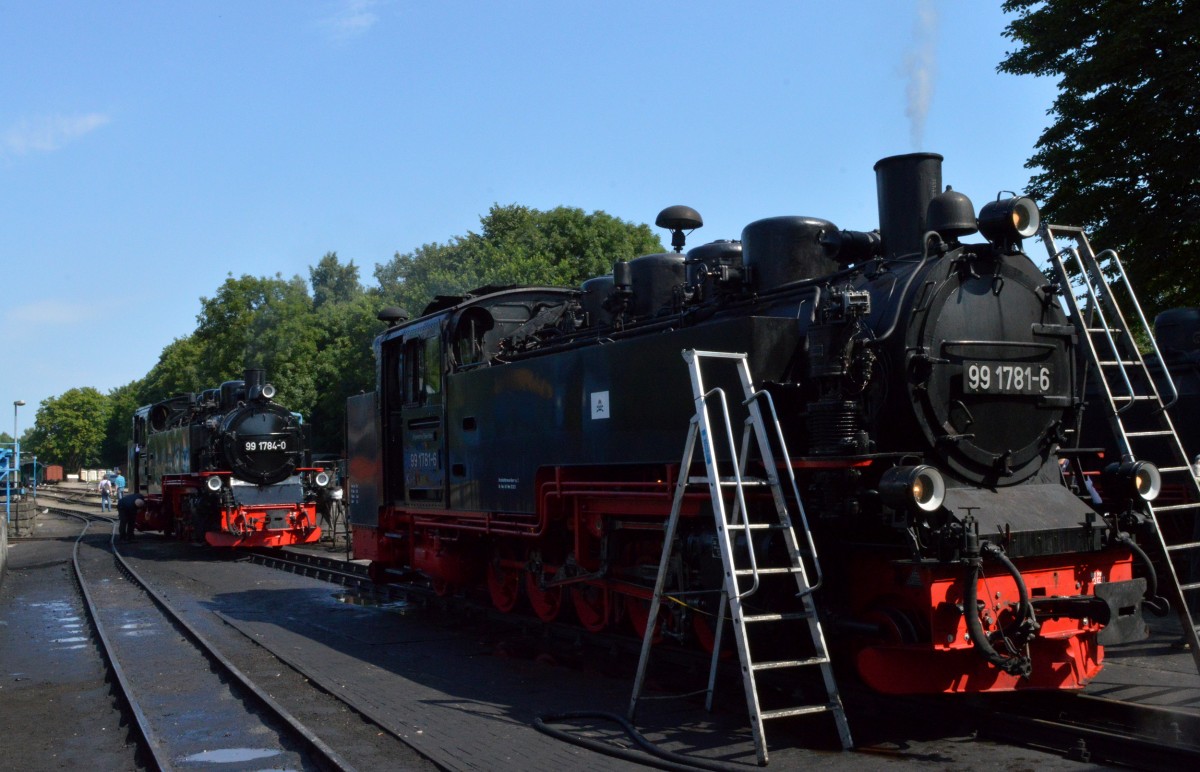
[528, 439]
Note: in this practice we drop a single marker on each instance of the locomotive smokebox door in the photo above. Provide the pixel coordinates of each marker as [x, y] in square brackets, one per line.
[988, 392]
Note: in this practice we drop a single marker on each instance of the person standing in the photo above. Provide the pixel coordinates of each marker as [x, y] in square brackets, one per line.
[106, 495]
[127, 511]
[119, 483]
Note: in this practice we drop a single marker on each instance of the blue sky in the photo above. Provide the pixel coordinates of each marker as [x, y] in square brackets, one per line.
[147, 150]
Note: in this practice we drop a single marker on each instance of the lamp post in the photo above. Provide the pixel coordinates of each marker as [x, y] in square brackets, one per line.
[16, 440]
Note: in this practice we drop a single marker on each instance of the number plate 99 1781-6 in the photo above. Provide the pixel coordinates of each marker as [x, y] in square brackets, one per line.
[1006, 378]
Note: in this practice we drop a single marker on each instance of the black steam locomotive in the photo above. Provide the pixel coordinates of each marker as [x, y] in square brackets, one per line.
[226, 465]
[527, 439]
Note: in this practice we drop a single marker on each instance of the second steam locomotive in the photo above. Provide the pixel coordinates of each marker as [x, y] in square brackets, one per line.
[528, 440]
[227, 466]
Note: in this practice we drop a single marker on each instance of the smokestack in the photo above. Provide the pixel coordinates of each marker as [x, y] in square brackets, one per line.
[906, 184]
[254, 378]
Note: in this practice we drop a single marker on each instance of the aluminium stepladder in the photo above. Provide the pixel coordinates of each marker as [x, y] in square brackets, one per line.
[1138, 409]
[731, 489]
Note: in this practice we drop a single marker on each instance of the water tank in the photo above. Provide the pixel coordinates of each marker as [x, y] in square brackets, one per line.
[595, 291]
[781, 250]
[655, 278]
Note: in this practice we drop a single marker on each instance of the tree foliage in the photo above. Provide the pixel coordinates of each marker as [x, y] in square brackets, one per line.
[516, 245]
[70, 428]
[314, 338]
[1122, 157]
[333, 282]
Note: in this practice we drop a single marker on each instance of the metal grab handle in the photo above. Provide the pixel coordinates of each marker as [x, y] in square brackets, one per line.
[787, 464]
[739, 488]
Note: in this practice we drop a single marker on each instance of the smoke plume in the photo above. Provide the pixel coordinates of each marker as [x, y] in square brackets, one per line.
[919, 69]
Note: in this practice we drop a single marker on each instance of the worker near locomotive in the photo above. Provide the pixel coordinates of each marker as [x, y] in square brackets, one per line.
[128, 507]
[923, 388]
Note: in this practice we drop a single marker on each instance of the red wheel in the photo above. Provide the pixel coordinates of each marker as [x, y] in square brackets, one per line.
[638, 610]
[547, 603]
[504, 582]
[591, 606]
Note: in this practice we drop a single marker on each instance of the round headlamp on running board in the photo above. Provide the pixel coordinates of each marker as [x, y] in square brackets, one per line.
[268, 391]
[921, 486]
[213, 483]
[322, 479]
[1134, 479]
[1009, 220]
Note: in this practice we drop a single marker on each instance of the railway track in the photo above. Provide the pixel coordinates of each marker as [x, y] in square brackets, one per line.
[1078, 727]
[205, 710]
[1095, 729]
[1075, 726]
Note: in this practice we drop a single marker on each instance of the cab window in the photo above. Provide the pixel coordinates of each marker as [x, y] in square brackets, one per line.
[422, 376]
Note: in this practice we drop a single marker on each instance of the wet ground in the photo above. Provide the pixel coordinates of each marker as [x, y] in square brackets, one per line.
[56, 709]
[462, 695]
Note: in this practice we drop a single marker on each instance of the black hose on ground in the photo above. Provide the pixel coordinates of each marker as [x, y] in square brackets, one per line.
[662, 759]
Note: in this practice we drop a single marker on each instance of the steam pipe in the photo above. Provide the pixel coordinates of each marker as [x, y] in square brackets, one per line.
[1157, 605]
[1019, 665]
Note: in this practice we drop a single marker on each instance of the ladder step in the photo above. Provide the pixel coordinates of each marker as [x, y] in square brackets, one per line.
[749, 618]
[1113, 362]
[805, 710]
[1189, 587]
[751, 571]
[776, 665]
[1191, 545]
[1117, 330]
[1135, 399]
[1158, 433]
[758, 526]
[1176, 507]
[747, 482]
[1169, 469]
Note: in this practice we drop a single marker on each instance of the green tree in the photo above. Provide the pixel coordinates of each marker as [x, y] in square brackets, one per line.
[182, 367]
[516, 245]
[1122, 157]
[264, 323]
[333, 282]
[122, 401]
[69, 429]
[344, 365]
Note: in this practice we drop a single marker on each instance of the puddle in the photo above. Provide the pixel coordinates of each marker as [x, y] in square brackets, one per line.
[137, 629]
[353, 598]
[229, 755]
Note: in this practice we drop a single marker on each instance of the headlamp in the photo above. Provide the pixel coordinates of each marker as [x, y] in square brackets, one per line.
[213, 483]
[322, 479]
[1134, 479]
[913, 486]
[1008, 220]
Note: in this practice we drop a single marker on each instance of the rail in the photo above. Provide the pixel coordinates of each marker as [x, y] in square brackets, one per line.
[155, 745]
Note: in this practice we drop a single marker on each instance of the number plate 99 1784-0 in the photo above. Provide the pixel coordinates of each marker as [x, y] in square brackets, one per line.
[1006, 378]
